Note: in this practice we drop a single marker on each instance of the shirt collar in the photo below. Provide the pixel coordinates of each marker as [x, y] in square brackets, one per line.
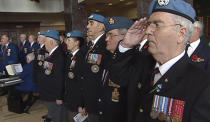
[24, 42]
[96, 40]
[41, 45]
[142, 44]
[166, 66]
[53, 50]
[74, 53]
[32, 44]
[192, 47]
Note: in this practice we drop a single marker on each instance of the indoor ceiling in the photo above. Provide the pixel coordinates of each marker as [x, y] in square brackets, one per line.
[108, 7]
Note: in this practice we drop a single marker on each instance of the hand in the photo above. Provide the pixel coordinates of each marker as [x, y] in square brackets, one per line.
[135, 34]
[82, 111]
[59, 102]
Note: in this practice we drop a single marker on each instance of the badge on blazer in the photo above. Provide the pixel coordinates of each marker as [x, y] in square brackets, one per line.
[47, 72]
[40, 63]
[195, 58]
[71, 75]
[94, 58]
[168, 109]
[115, 95]
[95, 68]
[48, 66]
[8, 52]
[25, 50]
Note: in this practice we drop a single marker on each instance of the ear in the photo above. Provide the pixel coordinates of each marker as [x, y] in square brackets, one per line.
[182, 34]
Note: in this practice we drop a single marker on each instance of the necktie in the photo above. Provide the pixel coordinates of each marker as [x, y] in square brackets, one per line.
[187, 46]
[154, 72]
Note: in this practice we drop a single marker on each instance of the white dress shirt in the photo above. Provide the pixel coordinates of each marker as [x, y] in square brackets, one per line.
[166, 66]
[192, 47]
[53, 50]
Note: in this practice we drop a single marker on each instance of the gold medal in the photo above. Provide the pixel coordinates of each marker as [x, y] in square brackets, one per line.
[115, 95]
[47, 72]
[40, 63]
[161, 116]
[71, 75]
[95, 68]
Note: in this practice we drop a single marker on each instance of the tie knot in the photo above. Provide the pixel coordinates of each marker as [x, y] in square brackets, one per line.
[187, 46]
[156, 70]
[90, 43]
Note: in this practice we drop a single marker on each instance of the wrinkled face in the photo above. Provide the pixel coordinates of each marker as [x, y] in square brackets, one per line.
[71, 43]
[112, 38]
[22, 37]
[4, 40]
[41, 39]
[48, 44]
[162, 33]
[93, 27]
[31, 38]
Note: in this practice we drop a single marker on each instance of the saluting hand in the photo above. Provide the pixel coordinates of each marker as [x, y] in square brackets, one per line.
[135, 34]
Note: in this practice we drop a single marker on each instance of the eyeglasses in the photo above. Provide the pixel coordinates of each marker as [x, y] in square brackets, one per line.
[110, 35]
[157, 26]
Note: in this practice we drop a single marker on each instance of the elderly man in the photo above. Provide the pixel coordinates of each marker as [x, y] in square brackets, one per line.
[34, 46]
[112, 101]
[96, 57]
[24, 48]
[51, 81]
[9, 52]
[166, 93]
[198, 51]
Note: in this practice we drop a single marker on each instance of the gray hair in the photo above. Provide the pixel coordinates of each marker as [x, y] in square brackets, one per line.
[123, 31]
[31, 56]
[185, 23]
[198, 24]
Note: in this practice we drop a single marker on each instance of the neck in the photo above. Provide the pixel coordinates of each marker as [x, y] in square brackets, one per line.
[97, 35]
[73, 50]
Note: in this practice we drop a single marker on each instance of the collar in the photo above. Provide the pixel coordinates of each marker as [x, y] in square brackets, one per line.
[142, 43]
[41, 45]
[192, 47]
[32, 44]
[6, 45]
[96, 40]
[74, 53]
[166, 66]
[24, 42]
[53, 50]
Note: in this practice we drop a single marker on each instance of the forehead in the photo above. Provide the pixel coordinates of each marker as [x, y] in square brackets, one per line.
[163, 17]
[114, 31]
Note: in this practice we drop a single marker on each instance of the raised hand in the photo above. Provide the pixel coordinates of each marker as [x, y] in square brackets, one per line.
[135, 34]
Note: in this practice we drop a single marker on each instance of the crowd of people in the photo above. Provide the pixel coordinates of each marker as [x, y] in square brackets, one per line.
[150, 70]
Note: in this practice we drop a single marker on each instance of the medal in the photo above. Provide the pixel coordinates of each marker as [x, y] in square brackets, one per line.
[139, 85]
[71, 75]
[40, 63]
[47, 72]
[25, 50]
[95, 68]
[154, 113]
[115, 95]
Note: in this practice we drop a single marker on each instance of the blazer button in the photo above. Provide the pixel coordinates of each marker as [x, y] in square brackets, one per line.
[100, 113]
[141, 110]
[99, 100]
[82, 78]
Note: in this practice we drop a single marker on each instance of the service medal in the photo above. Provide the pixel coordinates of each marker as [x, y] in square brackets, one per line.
[71, 75]
[115, 95]
[95, 68]
[47, 72]
[152, 114]
[161, 116]
[40, 63]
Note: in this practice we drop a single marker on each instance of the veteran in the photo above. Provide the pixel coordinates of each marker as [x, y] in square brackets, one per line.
[165, 93]
[96, 57]
[197, 50]
[51, 81]
[112, 101]
[24, 48]
[75, 59]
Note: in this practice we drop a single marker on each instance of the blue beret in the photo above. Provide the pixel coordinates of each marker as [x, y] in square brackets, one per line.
[41, 33]
[117, 23]
[74, 33]
[178, 7]
[96, 17]
[53, 34]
